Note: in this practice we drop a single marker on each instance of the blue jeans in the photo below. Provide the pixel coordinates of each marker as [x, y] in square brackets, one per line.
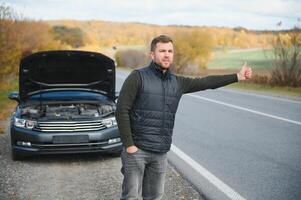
[144, 175]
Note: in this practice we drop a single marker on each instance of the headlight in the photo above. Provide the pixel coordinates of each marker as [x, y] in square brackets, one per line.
[23, 123]
[109, 122]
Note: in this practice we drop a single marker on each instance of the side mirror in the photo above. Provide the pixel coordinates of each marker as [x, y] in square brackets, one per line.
[14, 96]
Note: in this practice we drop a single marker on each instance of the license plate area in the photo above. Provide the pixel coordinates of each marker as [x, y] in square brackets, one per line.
[70, 139]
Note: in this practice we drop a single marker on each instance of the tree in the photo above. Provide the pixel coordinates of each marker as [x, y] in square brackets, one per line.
[19, 37]
[192, 50]
[71, 36]
[9, 41]
[287, 58]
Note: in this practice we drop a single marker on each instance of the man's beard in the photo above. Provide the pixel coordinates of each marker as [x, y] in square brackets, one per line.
[165, 66]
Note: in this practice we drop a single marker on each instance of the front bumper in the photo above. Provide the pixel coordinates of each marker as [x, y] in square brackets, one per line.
[64, 143]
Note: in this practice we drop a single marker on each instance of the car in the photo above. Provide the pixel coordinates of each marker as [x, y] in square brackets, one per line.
[66, 104]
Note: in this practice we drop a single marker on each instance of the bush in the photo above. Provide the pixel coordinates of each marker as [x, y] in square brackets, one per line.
[71, 36]
[260, 79]
[131, 58]
[19, 38]
[287, 59]
[191, 49]
[9, 41]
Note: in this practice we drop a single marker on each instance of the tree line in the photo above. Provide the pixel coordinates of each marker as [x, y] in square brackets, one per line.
[193, 45]
[20, 37]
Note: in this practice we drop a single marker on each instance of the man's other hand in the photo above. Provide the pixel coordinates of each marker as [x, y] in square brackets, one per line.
[244, 73]
[131, 149]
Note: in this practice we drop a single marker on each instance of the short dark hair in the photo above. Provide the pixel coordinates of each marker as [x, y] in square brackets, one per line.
[160, 38]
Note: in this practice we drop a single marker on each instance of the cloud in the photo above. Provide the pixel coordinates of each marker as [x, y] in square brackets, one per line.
[256, 14]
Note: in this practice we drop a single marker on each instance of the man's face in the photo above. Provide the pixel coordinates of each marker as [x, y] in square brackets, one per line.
[163, 54]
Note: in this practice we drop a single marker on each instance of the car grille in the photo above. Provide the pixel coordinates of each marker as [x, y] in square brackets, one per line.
[67, 126]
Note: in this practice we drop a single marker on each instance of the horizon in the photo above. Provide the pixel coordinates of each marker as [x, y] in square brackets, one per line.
[171, 25]
[258, 15]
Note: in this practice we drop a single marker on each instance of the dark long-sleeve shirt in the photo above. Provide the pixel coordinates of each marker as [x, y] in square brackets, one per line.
[132, 85]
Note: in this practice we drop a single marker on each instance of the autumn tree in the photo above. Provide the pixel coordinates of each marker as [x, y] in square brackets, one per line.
[71, 36]
[19, 37]
[287, 58]
[9, 41]
[192, 50]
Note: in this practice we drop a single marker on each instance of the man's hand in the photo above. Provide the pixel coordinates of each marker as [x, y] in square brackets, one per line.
[131, 149]
[244, 73]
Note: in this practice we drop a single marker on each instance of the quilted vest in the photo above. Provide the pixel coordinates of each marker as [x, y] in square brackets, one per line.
[153, 113]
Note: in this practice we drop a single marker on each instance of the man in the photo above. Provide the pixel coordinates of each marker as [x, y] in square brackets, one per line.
[145, 115]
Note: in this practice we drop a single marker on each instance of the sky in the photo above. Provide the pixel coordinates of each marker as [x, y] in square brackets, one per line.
[251, 14]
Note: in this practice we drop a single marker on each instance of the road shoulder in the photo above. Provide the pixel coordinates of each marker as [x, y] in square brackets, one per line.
[82, 176]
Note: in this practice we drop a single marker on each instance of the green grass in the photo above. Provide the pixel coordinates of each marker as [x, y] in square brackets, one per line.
[124, 47]
[6, 87]
[267, 89]
[135, 47]
[257, 59]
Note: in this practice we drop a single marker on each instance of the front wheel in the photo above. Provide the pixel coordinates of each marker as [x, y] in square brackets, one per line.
[115, 154]
[15, 156]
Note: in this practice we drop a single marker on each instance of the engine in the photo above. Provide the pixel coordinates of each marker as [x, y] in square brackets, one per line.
[67, 111]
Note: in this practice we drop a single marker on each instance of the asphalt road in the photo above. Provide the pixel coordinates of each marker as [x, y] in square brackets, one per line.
[251, 142]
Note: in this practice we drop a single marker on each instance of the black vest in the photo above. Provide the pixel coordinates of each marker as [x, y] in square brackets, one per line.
[153, 113]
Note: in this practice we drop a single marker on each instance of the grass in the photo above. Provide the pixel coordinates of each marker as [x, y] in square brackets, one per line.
[7, 86]
[260, 60]
[6, 105]
[284, 91]
[127, 69]
[257, 59]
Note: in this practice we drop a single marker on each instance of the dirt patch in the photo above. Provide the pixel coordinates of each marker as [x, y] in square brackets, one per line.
[2, 129]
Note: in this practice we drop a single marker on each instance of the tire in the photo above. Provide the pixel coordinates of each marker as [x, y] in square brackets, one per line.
[115, 154]
[15, 156]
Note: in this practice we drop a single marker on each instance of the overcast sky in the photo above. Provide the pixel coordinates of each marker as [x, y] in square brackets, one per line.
[252, 14]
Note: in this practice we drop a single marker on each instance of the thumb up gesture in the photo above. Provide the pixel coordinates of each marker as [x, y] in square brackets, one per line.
[244, 73]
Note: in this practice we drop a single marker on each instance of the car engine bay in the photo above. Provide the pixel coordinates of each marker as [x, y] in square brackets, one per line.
[66, 111]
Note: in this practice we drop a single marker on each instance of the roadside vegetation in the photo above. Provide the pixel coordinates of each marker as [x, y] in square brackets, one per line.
[18, 38]
[7, 86]
[274, 55]
[259, 59]
[268, 89]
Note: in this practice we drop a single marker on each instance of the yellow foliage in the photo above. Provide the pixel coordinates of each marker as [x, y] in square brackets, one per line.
[192, 47]
[19, 38]
[193, 44]
[108, 34]
[285, 40]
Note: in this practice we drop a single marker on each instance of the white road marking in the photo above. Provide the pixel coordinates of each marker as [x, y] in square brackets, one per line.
[209, 176]
[261, 96]
[246, 109]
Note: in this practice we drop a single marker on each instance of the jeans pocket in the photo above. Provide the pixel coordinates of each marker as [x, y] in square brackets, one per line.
[136, 152]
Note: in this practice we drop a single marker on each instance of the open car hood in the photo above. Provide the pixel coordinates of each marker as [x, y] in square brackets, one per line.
[66, 69]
